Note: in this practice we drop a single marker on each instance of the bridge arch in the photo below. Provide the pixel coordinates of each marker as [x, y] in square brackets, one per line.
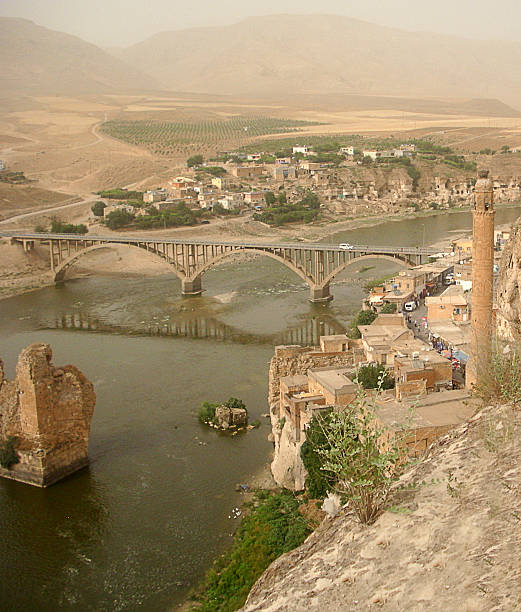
[266, 253]
[61, 270]
[401, 260]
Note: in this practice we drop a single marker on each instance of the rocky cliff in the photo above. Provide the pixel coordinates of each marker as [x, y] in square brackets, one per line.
[48, 411]
[287, 467]
[452, 541]
[508, 292]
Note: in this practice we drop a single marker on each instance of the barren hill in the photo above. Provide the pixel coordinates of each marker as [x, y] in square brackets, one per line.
[36, 60]
[287, 54]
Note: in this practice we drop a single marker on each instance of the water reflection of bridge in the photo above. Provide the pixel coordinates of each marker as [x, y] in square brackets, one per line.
[307, 333]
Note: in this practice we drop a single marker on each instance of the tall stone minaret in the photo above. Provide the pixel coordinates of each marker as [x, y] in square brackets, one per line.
[482, 278]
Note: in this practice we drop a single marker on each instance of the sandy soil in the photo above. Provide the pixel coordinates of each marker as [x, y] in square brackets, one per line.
[56, 140]
[451, 543]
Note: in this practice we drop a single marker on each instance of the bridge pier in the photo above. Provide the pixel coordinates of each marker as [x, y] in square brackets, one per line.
[318, 295]
[191, 287]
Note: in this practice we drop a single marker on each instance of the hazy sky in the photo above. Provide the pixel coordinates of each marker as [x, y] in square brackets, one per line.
[123, 22]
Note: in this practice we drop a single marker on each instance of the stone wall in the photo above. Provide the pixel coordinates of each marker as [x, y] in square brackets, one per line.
[287, 467]
[48, 410]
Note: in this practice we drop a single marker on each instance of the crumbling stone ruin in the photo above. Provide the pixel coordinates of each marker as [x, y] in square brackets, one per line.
[230, 418]
[45, 416]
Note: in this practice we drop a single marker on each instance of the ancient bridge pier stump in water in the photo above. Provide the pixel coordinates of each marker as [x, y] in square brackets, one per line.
[45, 415]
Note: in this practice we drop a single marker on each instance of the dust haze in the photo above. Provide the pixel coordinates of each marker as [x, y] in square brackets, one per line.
[112, 23]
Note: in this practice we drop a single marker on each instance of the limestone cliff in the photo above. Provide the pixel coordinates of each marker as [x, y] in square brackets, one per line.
[48, 410]
[451, 543]
[508, 292]
[287, 467]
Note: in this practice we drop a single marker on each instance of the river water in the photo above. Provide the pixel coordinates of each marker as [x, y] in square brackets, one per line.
[141, 525]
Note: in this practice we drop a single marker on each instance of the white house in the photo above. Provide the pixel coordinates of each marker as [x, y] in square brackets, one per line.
[301, 149]
[374, 155]
[231, 201]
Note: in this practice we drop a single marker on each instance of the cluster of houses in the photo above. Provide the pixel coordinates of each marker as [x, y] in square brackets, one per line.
[422, 406]
[351, 188]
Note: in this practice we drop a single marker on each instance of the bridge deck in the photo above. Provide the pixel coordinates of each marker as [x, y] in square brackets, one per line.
[302, 246]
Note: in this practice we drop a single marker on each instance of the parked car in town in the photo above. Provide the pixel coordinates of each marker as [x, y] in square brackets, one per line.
[409, 306]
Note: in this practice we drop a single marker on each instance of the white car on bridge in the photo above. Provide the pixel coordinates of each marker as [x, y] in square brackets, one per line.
[345, 246]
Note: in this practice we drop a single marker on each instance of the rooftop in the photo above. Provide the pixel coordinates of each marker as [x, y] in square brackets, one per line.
[446, 408]
[333, 379]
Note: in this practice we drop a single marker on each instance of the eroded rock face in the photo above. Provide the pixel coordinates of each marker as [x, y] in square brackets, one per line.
[287, 467]
[49, 411]
[508, 292]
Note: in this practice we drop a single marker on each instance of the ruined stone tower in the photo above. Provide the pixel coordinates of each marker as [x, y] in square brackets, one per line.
[482, 277]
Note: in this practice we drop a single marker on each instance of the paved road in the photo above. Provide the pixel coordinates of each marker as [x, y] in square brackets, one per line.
[47, 210]
[360, 248]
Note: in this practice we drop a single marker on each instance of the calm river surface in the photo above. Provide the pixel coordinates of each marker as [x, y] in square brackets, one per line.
[138, 528]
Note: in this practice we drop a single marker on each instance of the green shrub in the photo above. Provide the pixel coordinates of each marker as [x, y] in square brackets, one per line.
[318, 482]
[118, 218]
[273, 527]
[57, 227]
[121, 194]
[361, 469]
[195, 160]
[388, 308]
[374, 377]
[499, 379]
[98, 208]
[364, 317]
[8, 454]
[233, 402]
[206, 413]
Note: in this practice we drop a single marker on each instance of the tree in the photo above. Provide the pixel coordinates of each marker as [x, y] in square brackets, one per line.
[281, 198]
[118, 218]
[98, 207]
[58, 227]
[233, 402]
[388, 308]
[195, 160]
[269, 198]
[374, 377]
[364, 317]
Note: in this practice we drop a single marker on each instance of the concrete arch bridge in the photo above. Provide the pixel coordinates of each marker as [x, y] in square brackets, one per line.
[317, 264]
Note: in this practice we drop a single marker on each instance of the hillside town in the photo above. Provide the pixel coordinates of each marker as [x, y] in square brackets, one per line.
[347, 181]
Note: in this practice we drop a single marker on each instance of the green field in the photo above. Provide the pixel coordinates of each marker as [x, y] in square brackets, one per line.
[172, 137]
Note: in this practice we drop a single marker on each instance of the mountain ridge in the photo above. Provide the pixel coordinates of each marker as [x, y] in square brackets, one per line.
[37, 60]
[286, 53]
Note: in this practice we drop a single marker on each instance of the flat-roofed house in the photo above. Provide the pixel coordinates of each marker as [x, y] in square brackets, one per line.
[451, 305]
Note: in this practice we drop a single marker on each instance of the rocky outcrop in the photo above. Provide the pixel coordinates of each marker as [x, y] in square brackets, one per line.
[451, 542]
[508, 288]
[287, 467]
[48, 411]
